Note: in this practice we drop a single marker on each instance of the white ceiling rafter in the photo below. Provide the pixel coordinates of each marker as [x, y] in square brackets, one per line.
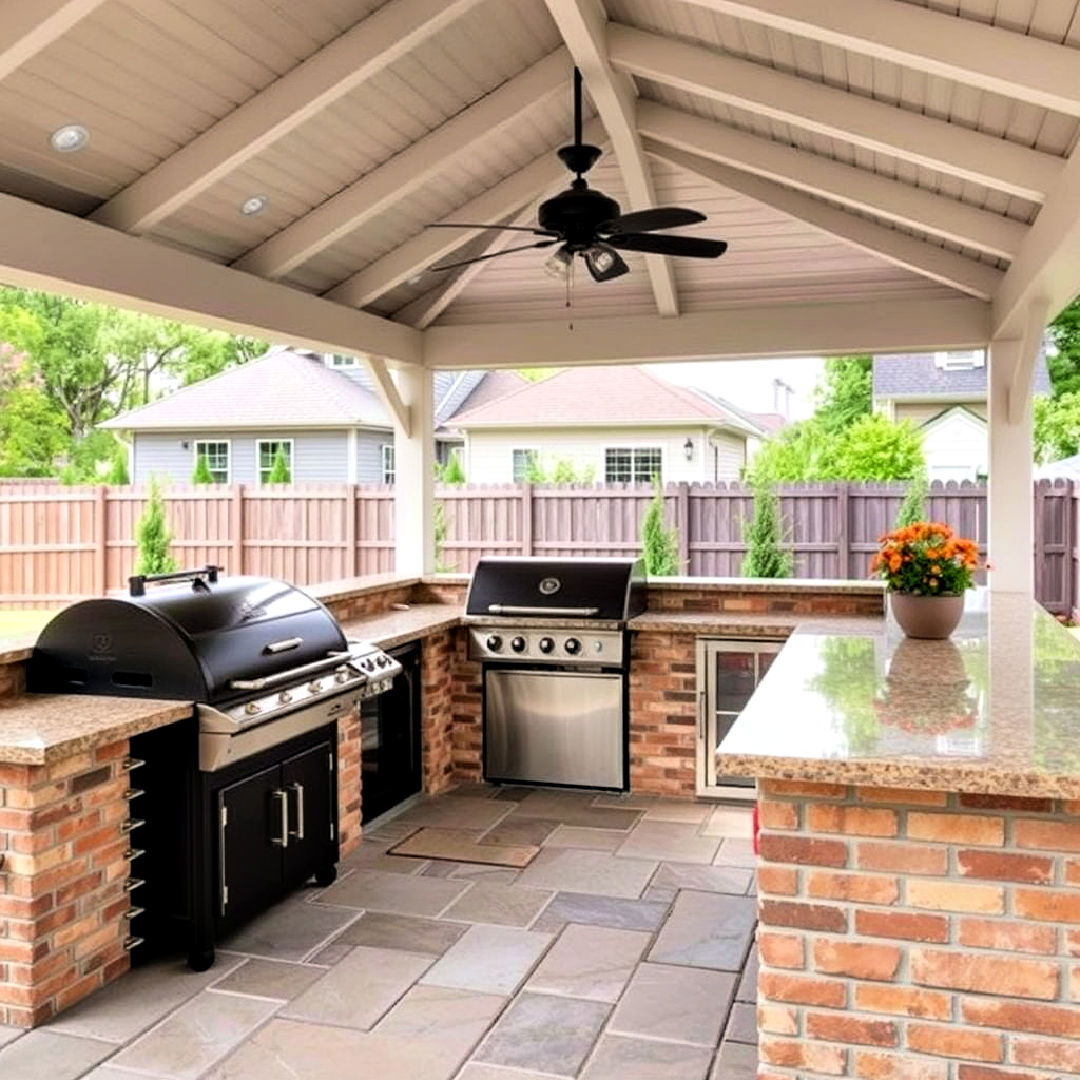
[397, 178]
[384, 37]
[862, 121]
[582, 26]
[991, 58]
[936, 263]
[881, 196]
[29, 26]
[431, 245]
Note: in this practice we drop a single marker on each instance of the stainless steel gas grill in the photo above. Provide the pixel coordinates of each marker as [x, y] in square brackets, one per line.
[240, 803]
[551, 634]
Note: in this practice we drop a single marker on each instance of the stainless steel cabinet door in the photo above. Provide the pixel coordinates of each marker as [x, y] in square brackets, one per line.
[554, 728]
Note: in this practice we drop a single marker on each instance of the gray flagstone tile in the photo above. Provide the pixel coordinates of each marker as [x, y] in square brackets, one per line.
[490, 959]
[670, 841]
[517, 830]
[748, 983]
[270, 979]
[291, 930]
[574, 907]
[453, 1021]
[735, 1061]
[41, 1053]
[581, 836]
[687, 813]
[742, 1023]
[413, 933]
[455, 814]
[590, 962]
[620, 1058]
[402, 894]
[734, 821]
[711, 930]
[725, 879]
[504, 905]
[548, 1034]
[683, 1004]
[588, 872]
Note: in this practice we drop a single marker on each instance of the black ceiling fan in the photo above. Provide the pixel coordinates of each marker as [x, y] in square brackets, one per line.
[583, 221]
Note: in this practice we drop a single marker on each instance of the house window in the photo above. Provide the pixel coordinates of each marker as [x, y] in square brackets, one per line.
[217, 459]
[341, 360]
[960, 359]
[389, 470]
[631, 464]
[524, 460]
[267, 450]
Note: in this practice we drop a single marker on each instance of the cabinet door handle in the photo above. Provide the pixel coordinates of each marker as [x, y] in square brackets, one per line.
[282, 798]
[298, 832]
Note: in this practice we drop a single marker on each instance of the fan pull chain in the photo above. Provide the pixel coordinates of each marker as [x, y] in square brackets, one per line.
[570, 292]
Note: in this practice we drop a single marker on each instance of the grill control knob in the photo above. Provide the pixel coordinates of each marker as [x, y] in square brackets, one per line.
[518, 644]
[383, 661]
[368, 664]
[494, 642]
[547, 644]
[251, 708]
[341, 676]
[315, 686]
[572, 646]
[284, 697]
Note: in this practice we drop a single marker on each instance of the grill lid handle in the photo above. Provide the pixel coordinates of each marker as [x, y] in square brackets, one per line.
[137, 584]
[285, 645]
[331, 660]
[559, 612]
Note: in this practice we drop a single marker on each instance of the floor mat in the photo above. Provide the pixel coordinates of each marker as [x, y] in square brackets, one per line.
[462, 847]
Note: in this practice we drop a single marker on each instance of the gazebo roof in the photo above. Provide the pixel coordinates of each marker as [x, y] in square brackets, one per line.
[888, 175]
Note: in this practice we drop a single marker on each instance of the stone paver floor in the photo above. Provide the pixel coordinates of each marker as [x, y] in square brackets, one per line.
[622, 952]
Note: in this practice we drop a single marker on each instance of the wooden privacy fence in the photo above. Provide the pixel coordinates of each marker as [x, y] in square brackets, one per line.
[61, 543]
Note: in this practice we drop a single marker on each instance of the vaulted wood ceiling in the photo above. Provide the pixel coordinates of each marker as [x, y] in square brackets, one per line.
[865, 156]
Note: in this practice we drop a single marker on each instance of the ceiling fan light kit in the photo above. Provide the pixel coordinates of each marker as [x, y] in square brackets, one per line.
[587, 223]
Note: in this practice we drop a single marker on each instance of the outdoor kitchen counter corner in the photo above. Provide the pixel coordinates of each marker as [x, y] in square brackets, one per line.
[995, 709]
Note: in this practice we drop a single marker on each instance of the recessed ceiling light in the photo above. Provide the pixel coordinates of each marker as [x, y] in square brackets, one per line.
[256, 204]
[69, 138]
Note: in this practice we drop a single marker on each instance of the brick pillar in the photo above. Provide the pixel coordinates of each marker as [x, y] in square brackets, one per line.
[349, 779]
[62, 897]
[436, 661]
[917, 935]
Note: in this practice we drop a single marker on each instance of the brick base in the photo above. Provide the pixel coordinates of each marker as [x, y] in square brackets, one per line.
[918, 935]
[62, 897]
[350, 778]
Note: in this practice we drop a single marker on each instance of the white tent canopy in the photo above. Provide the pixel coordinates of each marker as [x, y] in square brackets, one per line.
[890, 175]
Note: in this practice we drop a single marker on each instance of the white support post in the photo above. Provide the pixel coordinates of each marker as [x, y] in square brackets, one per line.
[1011, 531]
[414, 479]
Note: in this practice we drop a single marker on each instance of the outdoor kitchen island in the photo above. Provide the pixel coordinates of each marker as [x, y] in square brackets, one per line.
[919, 879]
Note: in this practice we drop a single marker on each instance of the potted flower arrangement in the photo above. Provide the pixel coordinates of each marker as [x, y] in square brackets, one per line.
[927, 569]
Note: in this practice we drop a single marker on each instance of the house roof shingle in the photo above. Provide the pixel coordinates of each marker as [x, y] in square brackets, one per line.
[917, 375]
[604, 396]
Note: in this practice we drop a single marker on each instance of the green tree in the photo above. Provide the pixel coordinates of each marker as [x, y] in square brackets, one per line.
[534, 471]
[875, 448]
[118, 471]
[659, 543]
[913, 508]
[453, 472]
[152, 536]
[1057, 426]
[1064, 362]
[201, 474]
[765, 555]
[280, 473]
[845, 393]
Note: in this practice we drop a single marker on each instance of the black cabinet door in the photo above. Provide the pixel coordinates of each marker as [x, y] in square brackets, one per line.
[309, 783]
[252, 826]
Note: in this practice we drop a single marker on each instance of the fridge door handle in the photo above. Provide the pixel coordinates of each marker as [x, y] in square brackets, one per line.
[298, 832]
[281, 797]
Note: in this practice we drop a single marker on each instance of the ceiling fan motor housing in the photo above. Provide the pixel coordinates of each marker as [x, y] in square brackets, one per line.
[576, 214]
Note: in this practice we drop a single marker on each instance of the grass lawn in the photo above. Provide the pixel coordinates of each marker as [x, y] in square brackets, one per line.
[17, 623]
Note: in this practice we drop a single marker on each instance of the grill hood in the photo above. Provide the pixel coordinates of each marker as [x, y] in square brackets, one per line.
[184, 641]
[560, 588]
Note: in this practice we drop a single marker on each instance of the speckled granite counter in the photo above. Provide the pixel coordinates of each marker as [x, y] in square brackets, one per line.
[38, 729]
[996, 709]
[390, 628]
[769, 625]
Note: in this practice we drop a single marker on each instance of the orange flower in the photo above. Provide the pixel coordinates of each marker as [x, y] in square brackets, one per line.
[933, 582]
[894, 563]
[935, 569]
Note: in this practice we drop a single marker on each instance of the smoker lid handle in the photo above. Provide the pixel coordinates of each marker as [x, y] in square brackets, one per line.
[137, 584]
[331, 660]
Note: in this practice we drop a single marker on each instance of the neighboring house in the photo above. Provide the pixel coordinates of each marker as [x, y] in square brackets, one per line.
[1065, 469]
[323, 412]
[944, 394]
[613, 424]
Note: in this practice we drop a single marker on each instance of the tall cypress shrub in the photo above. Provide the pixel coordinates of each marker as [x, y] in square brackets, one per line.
[152, 536]
[659, 544]
[763, 535]
[913, 508]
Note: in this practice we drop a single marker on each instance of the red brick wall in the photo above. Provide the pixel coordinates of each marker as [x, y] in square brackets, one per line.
[12, 680]
[62, 899]
[466, 699]
[349, 778]
[803, 602]
[436, 664]
[372, 603]
[916, 935]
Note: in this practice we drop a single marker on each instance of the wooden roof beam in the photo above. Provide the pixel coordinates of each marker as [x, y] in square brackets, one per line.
[813, 106]
[431, 245]
[581, 23]
[359, 54]
[936, 263]
[849, 185]
[400, 176]
[964, 50]
[28, 27]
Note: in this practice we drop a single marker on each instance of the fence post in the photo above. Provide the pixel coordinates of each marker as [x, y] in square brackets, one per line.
[682, 524]
[843, 537]
[527, 517]
[350, 560]
[236, 527]
[1068, 571]
[101, 541]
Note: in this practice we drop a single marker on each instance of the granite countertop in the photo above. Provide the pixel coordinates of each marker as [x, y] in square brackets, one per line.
[38, 729]
[994, 709]
[390, 628]
[759, 624]
[16, 647]
[839, 586]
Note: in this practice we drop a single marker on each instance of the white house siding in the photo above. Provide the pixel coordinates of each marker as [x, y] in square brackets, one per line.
[489, 454]
[730, 455]
[319, 457]
[921, 411]
[956, 447]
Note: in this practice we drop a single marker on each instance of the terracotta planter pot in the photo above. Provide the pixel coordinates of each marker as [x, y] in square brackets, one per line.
[933, 617]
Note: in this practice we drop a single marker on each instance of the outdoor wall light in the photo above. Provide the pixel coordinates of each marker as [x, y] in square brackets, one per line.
[69, 138]
[688, 449]
[256, 204]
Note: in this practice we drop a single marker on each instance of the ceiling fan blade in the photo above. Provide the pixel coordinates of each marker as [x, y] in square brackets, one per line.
[662, 217]
[504, 228]
[696, 247]
[494, 255]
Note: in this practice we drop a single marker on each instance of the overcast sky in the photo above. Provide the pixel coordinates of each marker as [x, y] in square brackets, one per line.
[749, 383]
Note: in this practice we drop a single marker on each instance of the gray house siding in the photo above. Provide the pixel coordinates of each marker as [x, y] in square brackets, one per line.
[319, 457]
